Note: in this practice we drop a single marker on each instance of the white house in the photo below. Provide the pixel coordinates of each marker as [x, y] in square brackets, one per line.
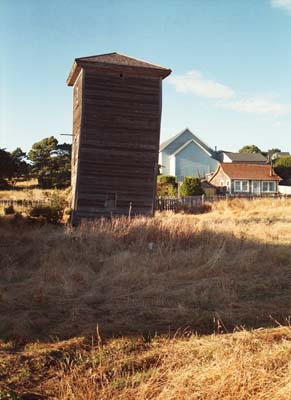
[186, 155]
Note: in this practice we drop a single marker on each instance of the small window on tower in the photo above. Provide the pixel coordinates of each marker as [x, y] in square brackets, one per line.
[111, 200]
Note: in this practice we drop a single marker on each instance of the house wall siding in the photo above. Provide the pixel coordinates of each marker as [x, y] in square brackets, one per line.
[77, 124]
[172, 166]
[284, 189]
[220, 176]
[171, 148]
[193, 161]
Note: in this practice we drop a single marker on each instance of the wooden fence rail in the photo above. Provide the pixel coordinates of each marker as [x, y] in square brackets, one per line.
[25, 203]
[214, 198]
[189, 203]
[193, 203]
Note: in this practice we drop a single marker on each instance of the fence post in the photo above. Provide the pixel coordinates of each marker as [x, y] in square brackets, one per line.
[129, 210]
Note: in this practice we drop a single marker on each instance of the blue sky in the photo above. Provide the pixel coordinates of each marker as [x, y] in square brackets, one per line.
[231, 63]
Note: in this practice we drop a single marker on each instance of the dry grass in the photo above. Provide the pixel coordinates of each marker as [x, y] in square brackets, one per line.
[28, 190]
[205, 273]
[149, 275]
[239, 366]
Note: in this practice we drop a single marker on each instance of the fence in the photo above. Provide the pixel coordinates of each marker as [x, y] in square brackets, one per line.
[214, 198]
[25, 203]
[189, 203]
[194, 203]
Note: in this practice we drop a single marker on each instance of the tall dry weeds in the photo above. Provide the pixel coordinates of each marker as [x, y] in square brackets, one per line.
[148, 275]
[206, 273]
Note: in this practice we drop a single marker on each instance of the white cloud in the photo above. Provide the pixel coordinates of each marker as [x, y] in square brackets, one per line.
[284, 4]
[194, 82]
[257, 105]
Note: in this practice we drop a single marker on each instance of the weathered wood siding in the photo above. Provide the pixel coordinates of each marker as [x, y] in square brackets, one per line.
[218, 178]
[77, 121]
[119, 144]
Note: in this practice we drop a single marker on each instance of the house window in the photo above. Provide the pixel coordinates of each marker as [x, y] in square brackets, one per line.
[221, 183]
[245, 186]
[237, 186]
[269, 186]
[241, 186]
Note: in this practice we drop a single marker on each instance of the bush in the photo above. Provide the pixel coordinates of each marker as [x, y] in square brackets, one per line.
[282, 167]
[4, 184]
[57, 179]
[167, 179]
[167, 186]
[9, 210]
[49, 214]
[191, 186]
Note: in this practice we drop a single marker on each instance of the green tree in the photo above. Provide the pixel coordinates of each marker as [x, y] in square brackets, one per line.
[282, 167]
[19, 158]
[51, 163]
[191, 186]
[250, 149]
[61, 176]
[41, 154]
[7, 165]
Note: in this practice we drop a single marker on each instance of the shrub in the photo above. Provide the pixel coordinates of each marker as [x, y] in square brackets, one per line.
[49, 214]
[9, 210]
[191, 186]
[3, 184]
[167, 179]
[282, 167]
[167, 186]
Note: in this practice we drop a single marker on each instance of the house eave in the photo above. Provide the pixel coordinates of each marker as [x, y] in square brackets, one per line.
[187, 144]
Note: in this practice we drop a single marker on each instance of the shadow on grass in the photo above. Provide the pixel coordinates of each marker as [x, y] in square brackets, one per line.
[143, 278]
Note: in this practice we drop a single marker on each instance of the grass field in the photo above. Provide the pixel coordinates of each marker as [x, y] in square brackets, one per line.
[28, 190]
[141, 283]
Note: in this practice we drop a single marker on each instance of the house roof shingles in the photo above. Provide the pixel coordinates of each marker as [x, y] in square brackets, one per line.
[249, 171]
[116, 61]
[246, 157]
[119, 59]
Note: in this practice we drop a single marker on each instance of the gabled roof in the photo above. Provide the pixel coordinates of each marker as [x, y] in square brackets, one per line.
[262, 172]
[118, 62]
[186, 144]
[195, 138]
[119, 59]
[246, 157]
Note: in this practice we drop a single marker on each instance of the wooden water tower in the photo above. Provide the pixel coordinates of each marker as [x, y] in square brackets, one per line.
[116, 131]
